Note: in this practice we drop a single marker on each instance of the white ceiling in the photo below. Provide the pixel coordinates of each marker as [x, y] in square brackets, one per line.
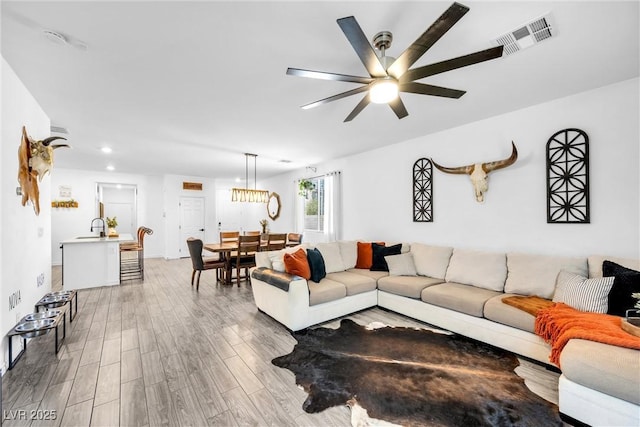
[188, 87]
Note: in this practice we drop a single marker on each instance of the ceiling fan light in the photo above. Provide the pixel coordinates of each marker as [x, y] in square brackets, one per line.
[383, 91]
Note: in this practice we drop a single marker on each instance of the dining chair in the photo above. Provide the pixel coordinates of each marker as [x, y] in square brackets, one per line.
[199, 263]
[229, 236]
[252, 233]
[132, 267]
[276, 241]
[246, 255]
[294, 239]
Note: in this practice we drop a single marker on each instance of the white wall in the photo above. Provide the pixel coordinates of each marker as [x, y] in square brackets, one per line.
[25, 248]
[68, 223]
[172, 191]
[377, 185]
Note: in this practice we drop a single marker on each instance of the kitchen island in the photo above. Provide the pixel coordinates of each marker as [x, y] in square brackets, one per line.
[92, 261]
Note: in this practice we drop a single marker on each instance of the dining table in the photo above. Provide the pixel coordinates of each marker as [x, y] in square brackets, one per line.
[225, 249]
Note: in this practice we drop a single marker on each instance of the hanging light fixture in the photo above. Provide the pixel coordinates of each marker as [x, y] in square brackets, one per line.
[247, 194]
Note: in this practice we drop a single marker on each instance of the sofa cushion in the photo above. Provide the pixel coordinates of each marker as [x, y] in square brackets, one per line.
[459, 297]
[536, 274]
[297, 264]
[401, 265]
[332, 257]
[355, 283]
[375, 275]
[482, 269]
[595, 263]
[607, 368]
[349, 253]
[581, 293]
[406, 286]
[277, 257]
[430, 260]
[379, 252]
[325, 291]
[625, 283]
[497, 311]
[316, 265]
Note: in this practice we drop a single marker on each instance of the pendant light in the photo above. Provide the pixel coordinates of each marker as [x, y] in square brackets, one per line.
[247, 194]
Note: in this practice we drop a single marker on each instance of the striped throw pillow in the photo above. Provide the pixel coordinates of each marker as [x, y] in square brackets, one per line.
[581, 293]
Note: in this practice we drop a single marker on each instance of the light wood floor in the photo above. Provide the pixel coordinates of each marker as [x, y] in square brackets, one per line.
[160, 353]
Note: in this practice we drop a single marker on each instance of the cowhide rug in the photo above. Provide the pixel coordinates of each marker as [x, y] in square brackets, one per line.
[411, 377]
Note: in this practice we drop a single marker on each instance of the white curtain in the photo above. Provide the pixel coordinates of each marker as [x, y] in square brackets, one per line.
[332, 207]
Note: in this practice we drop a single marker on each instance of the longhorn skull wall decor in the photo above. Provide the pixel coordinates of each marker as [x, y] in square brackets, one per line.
[35, 159]
[479, 172]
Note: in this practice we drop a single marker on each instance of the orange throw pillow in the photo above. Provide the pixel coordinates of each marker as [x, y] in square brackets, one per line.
[297, 264]
[365, 255]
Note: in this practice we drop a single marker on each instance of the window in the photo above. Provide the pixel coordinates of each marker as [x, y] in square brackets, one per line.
[314, 206]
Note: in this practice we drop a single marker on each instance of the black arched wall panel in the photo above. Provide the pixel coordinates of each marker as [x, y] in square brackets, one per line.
[423, 190]
[568, 177]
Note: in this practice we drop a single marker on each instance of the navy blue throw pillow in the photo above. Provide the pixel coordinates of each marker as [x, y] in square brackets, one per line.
[316, 264]
[626, 282]
[379, 252]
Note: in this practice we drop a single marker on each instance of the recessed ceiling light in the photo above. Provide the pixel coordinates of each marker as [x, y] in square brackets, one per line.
[106, 150]
[110, 168]
[237, 179]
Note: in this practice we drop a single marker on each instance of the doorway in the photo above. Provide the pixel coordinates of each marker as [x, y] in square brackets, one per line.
[119, 200]
[191, 222]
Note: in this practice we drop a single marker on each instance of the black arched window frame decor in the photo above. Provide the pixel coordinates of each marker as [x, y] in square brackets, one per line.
[423, 190]
[568, 177]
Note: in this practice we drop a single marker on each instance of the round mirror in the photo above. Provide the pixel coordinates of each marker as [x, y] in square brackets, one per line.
[273, 206]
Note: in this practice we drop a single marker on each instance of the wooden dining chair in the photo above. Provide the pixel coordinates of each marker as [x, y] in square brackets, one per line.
[276, 241]
[246, 255]
[199, 263]
[294, 239]
[252, 233]
[229, 236]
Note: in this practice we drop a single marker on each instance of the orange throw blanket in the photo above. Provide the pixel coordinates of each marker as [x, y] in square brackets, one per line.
[560, 323]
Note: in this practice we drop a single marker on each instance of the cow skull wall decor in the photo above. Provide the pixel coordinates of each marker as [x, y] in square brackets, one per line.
[35, 159]
[479, 172]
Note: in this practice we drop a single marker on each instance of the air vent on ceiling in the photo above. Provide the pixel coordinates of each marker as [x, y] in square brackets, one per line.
[59, 129]
[527, 35]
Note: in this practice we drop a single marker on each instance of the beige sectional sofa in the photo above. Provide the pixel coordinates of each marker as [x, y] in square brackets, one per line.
[461, 290]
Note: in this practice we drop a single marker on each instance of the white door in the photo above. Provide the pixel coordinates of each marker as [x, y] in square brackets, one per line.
[191, 221]
[229, 213]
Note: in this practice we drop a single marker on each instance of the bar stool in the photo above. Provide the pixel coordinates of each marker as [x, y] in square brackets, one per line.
[133, 267]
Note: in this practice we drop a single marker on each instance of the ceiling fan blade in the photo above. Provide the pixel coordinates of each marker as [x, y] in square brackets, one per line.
[361, 45]
[328, 76]
[398, 107]
[427, 39]
[452, 64]
[336, 97]
[424, 89]
[363, 103]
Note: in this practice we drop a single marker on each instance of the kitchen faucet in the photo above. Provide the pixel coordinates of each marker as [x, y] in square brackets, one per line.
[102, 232]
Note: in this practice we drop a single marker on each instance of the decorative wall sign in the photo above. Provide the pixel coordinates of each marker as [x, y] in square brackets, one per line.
[197, 186]
[423, 190]
[568, 177]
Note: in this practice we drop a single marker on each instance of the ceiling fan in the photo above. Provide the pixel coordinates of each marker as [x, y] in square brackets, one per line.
[388, 76]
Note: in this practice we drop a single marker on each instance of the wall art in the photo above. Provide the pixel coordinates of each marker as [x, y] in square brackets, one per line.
[568, 177]
[423, 190]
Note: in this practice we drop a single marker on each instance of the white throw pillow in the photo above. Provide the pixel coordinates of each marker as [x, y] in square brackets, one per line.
[581, 293]
[277, 257]
[331, 255]
[401, 265]
[431, 261]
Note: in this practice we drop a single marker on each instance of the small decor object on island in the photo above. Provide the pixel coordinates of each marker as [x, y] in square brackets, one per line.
[305, 187]
[568, 177]
[35, 159]
[112, 223]
[423, 190]
[479, 172]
